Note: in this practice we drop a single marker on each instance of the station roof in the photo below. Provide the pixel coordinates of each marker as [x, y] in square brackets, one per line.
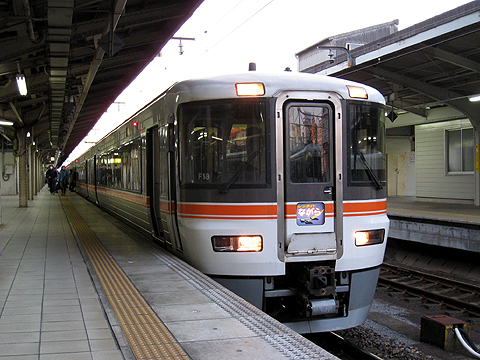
[74, 64]
[433, 64]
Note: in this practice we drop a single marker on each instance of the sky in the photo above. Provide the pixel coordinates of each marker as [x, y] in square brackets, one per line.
[229, 34]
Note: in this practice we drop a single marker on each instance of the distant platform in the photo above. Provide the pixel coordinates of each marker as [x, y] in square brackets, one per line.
[454, 224]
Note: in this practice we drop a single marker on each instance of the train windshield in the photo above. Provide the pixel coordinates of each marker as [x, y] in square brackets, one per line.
[222, 144]
[366, 148]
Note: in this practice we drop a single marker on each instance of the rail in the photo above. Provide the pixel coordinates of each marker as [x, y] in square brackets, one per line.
[451, 293]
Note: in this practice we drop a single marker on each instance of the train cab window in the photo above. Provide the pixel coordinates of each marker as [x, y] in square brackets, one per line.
[309, 142]
[223, 143]
[366, 145]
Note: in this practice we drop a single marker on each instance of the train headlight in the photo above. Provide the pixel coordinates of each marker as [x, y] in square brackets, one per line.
[357, 92]
[250, 89]
[369, 237]
[237, 243]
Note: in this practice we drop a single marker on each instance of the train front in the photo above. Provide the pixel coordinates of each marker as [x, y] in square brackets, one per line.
[281, 193]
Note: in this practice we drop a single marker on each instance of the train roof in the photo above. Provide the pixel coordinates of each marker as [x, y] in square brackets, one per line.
[221, 87]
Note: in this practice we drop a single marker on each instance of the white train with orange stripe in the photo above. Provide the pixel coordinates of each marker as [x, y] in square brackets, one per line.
[272, 184]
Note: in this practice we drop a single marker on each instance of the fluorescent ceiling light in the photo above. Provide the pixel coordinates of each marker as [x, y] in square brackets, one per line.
[6, 122]
[474, 98]
[22, 84]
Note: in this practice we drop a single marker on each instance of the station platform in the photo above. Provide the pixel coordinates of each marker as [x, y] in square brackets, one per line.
[454, 212]
[453, 228]
[454, 224]
[76, 283]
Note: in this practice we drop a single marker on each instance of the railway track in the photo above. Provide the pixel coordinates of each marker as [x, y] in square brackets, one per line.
[341, 347]
[432, 288]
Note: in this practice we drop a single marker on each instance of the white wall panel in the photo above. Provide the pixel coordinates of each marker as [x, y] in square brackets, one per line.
[432, 180]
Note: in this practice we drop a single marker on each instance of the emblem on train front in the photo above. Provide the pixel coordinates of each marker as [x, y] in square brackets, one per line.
[311, 213]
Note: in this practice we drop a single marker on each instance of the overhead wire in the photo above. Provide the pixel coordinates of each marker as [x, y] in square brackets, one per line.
[193, 61]
[231, 32]
[223, 17]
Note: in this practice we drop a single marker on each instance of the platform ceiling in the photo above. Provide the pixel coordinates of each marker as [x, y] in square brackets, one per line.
[433, 64]
[74, 65]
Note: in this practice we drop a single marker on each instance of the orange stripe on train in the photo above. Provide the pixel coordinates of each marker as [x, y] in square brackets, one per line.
[228, 211]
[365, 208]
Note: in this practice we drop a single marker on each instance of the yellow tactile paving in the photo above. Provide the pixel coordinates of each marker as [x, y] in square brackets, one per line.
[146, 334]
[126, 300]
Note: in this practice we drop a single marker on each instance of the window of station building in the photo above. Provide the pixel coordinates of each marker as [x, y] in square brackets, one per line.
[460, 154]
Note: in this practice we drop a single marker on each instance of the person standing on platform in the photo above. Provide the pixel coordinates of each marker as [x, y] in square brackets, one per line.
[51, 176]
[63, 179]
[73, 179]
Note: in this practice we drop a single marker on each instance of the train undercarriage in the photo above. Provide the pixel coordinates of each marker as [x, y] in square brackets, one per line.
[307, 291]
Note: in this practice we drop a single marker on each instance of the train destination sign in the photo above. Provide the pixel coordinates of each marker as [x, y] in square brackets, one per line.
[311, 213]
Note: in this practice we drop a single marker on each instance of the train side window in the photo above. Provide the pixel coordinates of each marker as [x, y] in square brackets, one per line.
[102, 163]
[116, 165]
[135, 183]
[125, 168]
[81, 173]
[91, 171]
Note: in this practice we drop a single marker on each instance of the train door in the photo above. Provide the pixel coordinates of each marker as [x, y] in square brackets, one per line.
[85, 177]
[86, 169]
[153, 180]
[173, 186]
[92, 179]
[167, 186]
[310, 182]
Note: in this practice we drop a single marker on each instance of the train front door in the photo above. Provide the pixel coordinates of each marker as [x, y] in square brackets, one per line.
[309, 180]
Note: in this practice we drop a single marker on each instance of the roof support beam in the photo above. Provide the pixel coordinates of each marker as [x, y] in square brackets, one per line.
[453, 59]
[421, 87]
[19, 119]
[117, 11]
[455, 100]
[60, 17]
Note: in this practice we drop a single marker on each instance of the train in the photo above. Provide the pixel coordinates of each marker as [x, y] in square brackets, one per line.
[271, 184]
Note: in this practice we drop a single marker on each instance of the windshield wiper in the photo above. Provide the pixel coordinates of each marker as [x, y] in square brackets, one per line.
[369, 170]
[234, 178]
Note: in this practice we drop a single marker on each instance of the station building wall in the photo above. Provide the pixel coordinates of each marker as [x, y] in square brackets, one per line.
[432, 177]
[400, 166]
